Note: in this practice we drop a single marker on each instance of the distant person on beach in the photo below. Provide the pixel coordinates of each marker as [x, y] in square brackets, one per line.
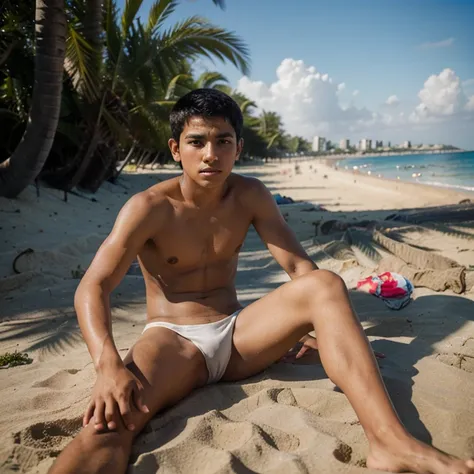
[187, 233]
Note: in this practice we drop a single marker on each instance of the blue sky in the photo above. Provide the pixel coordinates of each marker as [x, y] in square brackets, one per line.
[376, 48]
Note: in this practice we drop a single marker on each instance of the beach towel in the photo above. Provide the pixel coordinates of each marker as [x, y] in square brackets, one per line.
[394, 289]
[279, 199]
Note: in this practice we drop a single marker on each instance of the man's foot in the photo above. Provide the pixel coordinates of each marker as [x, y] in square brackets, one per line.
[412, 455]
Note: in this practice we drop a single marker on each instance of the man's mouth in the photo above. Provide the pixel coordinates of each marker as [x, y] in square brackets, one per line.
[209, 171]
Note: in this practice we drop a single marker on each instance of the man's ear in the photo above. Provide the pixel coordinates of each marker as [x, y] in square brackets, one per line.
[240, 147]
[174, 148]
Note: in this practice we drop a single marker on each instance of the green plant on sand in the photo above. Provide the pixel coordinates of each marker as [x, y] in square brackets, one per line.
[13, 359]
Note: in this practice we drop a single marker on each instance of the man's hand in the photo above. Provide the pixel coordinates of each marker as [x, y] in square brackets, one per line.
[117, 392]
[308, 345]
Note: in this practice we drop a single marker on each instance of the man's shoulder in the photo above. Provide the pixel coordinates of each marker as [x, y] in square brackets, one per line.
[249, 190]
[247, 184]
[153, 200]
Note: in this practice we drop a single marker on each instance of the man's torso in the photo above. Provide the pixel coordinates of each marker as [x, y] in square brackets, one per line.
[189, 265]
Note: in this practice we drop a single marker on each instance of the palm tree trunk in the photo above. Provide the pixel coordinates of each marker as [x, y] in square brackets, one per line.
[28, 159]
[125, 162]
[93, 32]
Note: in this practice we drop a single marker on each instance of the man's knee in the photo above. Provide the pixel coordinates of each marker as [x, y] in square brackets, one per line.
[93, 451]
[117, 441]
[320, 285]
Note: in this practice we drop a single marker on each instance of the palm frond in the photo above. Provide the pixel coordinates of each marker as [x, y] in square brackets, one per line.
[129, 13]
[170, 91]
[247, 105]
[159, 13]
[6, 47]
[150, 128]
[219, 3]
[112, 32]
[273, 139]
[195, 36]
[70, 131]
[12, 93]
[79, 64]
[208, 79]
[119, 130]
[6, 114]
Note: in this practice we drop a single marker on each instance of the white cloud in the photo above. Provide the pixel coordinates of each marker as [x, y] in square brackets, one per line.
[441, 96]
[393, 100]
[437, 44]
[306, 99]
[355, 93]
[470, 104]
[310, 103]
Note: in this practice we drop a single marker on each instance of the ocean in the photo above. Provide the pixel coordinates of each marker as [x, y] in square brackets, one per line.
[447, 170]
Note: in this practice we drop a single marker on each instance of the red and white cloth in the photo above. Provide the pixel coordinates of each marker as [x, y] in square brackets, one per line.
[394, 289]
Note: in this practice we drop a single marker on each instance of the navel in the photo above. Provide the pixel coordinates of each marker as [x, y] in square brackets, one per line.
[172, 260]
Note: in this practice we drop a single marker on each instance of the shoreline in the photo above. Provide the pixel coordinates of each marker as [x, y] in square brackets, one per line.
[355, 156]
[366, 192]
[448, 189]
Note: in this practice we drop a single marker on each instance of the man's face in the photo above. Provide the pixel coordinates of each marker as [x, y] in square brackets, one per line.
[207, 149]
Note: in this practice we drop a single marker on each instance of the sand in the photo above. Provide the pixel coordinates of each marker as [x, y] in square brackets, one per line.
[291, 418]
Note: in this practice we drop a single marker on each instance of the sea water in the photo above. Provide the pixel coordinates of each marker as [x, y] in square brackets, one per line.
[449, 170]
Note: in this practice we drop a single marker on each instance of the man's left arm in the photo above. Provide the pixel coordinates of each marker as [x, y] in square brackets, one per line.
[277, 234]
[284, 246]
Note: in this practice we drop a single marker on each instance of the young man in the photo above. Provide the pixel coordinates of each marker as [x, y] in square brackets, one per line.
[187, 233]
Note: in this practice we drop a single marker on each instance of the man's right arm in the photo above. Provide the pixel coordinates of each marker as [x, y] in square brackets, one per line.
[92, 299]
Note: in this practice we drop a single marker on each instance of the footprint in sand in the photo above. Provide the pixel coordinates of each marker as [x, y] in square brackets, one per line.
[236, 435]
[61, 380]
[343, 453]
[41, 441]
[48, 435]
[242, 444]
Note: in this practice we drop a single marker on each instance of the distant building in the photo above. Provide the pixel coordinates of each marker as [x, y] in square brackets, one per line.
[378, 143]
[365, 144]
[328, 145]
[389, 144]
[319, 144]
[344, 144]
[406, 144]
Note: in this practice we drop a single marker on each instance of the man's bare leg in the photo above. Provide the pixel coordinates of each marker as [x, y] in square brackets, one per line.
[266, 329]
[169, 367]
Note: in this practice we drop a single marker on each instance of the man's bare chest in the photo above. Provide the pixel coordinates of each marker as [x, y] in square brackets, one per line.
[193, 240]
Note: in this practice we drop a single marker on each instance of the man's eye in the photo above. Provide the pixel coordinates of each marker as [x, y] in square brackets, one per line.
[195, 142]
[225, 142]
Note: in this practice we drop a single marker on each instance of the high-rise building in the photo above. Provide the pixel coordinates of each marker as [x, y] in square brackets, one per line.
[365, 144]
[406, 144]
[328, 145]
[319, 144]
[378, 143]
[344, 144]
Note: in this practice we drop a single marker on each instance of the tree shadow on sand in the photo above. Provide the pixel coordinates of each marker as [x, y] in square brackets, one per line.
[429, 320]
[260, 274]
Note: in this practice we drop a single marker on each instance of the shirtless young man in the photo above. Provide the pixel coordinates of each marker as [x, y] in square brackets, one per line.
[187, 232]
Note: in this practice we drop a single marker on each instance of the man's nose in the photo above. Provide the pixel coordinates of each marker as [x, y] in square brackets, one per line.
[210, 153]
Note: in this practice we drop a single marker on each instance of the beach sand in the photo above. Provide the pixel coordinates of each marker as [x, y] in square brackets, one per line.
[290, 418]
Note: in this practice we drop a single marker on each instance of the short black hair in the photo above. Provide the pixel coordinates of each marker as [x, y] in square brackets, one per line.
[205, 103]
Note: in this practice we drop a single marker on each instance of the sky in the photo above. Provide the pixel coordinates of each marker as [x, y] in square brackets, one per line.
[391, 70]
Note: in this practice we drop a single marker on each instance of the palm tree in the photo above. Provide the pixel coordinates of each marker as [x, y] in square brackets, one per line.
[28, 159]
[141, 60]
[113, 86]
